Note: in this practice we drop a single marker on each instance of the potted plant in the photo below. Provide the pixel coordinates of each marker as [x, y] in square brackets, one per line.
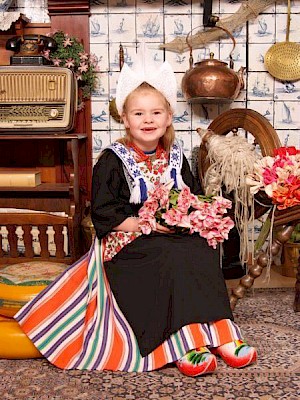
[70, 53]
[291, 253]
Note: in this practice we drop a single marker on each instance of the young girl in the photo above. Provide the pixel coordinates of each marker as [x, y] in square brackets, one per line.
[138, 302]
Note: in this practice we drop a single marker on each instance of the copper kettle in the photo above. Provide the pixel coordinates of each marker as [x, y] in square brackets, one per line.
[211, 81]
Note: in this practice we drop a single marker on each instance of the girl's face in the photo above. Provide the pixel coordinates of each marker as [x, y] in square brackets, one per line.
[147, 116]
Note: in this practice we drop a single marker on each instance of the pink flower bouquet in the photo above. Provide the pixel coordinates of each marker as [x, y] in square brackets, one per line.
[278, 176]
[184, 212]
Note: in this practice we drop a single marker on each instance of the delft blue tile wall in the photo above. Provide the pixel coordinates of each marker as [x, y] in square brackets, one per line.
[155, 22]
[159, 21]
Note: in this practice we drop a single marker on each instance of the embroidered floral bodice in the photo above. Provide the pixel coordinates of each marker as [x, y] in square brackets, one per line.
[116, 240]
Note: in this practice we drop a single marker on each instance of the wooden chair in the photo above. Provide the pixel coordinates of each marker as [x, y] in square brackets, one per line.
[62, 246]
[267, 138]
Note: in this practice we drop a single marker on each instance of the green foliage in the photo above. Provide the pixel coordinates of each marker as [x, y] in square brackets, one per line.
[70, 53]
[295, 237]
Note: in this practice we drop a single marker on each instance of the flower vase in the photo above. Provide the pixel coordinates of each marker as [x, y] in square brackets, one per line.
[290, 259]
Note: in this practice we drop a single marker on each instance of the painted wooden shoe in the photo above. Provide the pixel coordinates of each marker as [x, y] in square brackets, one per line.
[237, 354]
[197, 362]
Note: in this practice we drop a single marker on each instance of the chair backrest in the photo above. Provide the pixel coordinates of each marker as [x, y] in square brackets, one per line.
[36, 236]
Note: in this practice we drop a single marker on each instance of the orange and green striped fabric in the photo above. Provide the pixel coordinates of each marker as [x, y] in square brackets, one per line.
[76, 324]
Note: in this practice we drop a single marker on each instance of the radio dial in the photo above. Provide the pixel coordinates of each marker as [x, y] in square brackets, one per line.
[54, 113]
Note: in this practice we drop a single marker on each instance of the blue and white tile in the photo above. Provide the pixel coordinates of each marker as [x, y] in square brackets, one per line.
[262, 29]
[101, 139]
[269, 10]
[281, 6]
[204, 53]
[281, 27]
[149, 27]
[265, 108]
[178, 7]
[289, 137]
[98, 28]
[99, 7]
[256, 55]
[178, 61]
[122, 28]
[182, 117]
[100, 115]
[121, 6]
[101, 52]
[239, 35]
[176, 26]
[260, 86]
[228, 106]
[180, 96]
[203, 115]
[229, 6]
[152, 6]
[287, 91]
[197, 7]
[129, 50]
[101, 91]
[287, 115]
[185, 141]
[238, 55]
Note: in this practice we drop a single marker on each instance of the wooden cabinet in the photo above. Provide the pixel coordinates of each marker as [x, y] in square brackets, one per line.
[57, 157]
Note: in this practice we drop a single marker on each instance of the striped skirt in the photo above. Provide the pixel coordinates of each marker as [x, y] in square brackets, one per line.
[76, 324]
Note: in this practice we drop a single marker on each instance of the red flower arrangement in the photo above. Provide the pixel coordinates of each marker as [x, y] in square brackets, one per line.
[278, 176]
[184, 212]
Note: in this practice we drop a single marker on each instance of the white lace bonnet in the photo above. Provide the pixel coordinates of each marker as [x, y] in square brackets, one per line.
[145, 70]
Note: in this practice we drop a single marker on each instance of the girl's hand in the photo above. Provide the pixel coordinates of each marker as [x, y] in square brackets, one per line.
[163, 229]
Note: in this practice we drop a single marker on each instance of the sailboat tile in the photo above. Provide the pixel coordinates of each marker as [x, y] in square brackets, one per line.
[129, 50]
[286, 115]
[149, 27]
[260, 86]
[98, 28]
[176, 26]
[262, 29]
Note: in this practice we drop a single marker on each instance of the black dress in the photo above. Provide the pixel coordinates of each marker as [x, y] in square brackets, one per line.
[161, 282]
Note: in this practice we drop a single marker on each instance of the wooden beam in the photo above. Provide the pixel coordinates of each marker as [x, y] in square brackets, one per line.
[209, 20]
[59, 7]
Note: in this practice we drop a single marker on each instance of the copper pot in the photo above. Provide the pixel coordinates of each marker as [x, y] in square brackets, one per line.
[211, 80]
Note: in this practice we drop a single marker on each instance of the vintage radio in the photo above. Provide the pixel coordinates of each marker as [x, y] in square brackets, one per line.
[37, 99]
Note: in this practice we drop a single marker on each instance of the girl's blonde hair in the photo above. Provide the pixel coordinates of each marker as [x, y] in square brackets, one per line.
[168, 138]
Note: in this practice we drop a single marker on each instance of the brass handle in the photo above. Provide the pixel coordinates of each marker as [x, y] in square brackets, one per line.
[191, 61]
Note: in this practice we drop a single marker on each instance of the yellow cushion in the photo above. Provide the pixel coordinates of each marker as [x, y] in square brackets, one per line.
[14, 344]
[20, 283]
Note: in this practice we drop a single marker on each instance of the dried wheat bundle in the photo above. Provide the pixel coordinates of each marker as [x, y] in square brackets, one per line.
[231, 159]
[248, 10]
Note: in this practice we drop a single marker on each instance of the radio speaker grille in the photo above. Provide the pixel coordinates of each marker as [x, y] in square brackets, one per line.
[37, 98]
